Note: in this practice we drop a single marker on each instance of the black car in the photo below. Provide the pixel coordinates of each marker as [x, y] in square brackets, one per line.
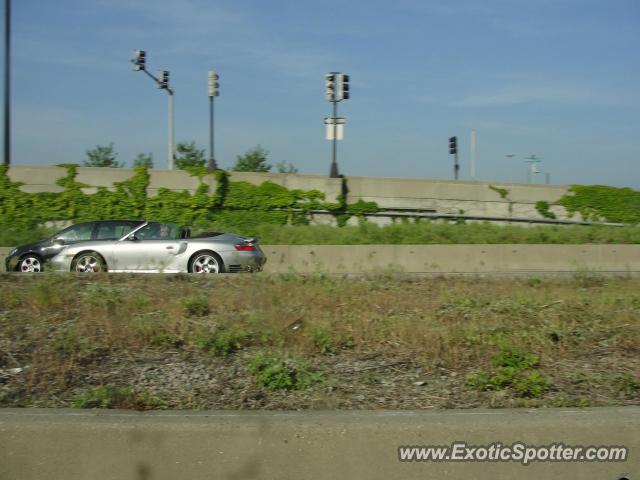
[32, 257]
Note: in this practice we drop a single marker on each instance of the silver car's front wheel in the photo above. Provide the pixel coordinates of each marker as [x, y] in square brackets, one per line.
[89, 262]
[30, 264]
[206, 262]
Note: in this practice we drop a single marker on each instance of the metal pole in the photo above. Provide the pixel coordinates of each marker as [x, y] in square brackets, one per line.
[212, 162]
[334, 163]
[473, 154]
[7, 81]
[456, 167]
[171, 149]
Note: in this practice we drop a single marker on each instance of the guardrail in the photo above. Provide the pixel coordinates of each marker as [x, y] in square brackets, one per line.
[406, 212]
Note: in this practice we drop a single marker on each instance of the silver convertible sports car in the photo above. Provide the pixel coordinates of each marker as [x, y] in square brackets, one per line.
[162, 247]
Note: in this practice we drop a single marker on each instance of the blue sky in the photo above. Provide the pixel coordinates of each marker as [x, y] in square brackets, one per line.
[555, 78]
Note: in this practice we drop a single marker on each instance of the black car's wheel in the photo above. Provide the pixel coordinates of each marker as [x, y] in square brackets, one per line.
[206, 262]
[30, 264]
[88, 262]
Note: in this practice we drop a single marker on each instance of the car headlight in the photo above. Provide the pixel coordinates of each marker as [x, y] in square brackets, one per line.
[12, 252]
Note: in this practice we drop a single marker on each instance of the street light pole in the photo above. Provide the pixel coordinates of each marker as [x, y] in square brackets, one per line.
[7, 82]
[171, 158]
[472, 156]
[336, 90]
[212, 161]
[531, 161]
[334, 164]
[213, 92]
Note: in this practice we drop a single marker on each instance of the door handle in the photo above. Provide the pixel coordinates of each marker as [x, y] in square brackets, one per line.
[169, 248]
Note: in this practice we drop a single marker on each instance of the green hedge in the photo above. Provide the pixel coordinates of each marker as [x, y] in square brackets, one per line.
[599, 202]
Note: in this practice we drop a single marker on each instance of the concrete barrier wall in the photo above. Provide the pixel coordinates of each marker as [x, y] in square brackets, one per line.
[434, 259]
[451, 258]
[86, 445]
[441, 196]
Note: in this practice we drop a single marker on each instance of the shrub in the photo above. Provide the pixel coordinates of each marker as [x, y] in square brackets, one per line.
[196, 306]
[277, 373]
[512, 370]
[222, 340]
[102, 156]
[626, 385]
[189, 156]
[254, 160]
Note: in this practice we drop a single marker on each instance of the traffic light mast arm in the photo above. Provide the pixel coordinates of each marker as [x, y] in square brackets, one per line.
[157, 80]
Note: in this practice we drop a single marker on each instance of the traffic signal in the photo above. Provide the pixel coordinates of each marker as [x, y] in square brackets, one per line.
[453, 145]
[139, 60]
[164, 79]
[343, 89]
[213, 84]
[330, 86]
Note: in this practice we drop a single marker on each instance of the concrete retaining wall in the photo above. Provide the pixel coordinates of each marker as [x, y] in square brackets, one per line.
[474, 198]
[42, 179]
[434, 259]
[440, 196]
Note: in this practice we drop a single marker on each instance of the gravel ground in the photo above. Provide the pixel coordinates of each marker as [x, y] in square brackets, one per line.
[194, 381]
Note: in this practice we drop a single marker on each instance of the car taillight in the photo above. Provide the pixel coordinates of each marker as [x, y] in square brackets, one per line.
[245, 248]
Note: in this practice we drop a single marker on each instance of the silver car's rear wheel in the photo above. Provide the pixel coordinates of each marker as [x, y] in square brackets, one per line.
[206, 262]
[30, 264]
[89, 262]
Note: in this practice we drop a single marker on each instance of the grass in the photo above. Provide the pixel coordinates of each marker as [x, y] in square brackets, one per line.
[113, 396]
[422, 232]
[222, 340]
[267, 341]
[445, 233]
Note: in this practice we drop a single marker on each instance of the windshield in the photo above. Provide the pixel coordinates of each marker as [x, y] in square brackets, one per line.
[114, 229]
[76, 233]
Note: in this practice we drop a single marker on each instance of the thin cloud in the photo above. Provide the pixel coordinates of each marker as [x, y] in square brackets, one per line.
[196, 28]
[517, 18]
[572, 94]
[511, 128]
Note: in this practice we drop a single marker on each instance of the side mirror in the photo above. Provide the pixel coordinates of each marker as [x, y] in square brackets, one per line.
[132, 238]
[58, 242]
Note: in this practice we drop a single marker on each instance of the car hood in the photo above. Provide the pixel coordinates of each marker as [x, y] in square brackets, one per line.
[33, 246]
